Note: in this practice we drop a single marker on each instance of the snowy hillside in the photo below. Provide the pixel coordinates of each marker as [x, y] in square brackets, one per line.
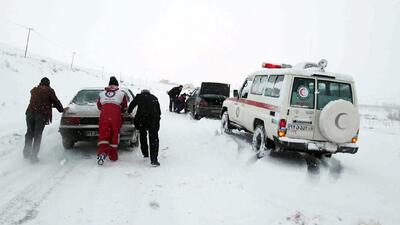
[204, 178]
[19, 75]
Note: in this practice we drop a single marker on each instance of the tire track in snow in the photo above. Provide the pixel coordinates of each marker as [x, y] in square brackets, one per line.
[242, 140]
[10, 141]
[23, 207]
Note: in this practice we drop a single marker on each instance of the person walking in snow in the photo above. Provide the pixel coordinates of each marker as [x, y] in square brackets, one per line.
[112, 103]
[38, 114]
[173, 96]
[147, 119]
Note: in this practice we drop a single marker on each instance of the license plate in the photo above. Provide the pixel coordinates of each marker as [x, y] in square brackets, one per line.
[92, 133]
[299, 127]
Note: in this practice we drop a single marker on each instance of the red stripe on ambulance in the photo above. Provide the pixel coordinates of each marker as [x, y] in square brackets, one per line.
[254, 103]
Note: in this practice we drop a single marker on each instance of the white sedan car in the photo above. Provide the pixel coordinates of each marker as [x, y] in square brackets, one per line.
[81, 121]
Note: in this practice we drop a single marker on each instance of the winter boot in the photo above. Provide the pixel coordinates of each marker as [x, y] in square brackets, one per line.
[155, 163]
[34, 159]
[101, 158]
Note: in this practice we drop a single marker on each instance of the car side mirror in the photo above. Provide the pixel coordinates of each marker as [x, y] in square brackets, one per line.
[235, 93]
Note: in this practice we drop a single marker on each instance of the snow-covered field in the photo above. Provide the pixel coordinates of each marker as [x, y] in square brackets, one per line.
[204, 178]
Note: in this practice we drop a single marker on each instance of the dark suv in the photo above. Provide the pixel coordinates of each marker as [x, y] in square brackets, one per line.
[206, 100]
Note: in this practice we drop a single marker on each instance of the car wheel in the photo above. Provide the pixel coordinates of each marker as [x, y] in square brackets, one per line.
[225, 123]
[259, 141]
[195, 115]
[68, 143]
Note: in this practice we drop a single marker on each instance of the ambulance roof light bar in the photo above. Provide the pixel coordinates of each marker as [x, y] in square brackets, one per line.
[275, 66]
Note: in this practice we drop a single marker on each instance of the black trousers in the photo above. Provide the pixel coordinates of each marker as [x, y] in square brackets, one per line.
[35, 123]
[172, 103]
[152, 130]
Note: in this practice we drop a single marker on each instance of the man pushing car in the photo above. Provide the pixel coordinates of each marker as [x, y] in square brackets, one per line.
[112, 103]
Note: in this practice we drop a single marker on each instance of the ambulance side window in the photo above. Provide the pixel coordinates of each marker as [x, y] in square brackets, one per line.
[258, 85]
[274, 85]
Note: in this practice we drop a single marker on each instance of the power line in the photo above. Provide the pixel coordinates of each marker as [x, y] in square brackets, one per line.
[14, 23]
[51, 41]
[54, 43]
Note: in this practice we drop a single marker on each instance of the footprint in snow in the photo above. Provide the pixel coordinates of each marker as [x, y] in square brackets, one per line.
[63, 161]
[154, 205]
[134, 175]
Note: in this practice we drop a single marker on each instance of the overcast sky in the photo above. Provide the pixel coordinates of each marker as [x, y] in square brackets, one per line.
[211, 40]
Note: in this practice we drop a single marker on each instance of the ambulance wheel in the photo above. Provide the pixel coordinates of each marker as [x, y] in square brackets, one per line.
[259, 140]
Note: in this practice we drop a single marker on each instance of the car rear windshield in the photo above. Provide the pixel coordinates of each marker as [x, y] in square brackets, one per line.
[86, 97]
[303, 93]
[330, 91]
[214, 89]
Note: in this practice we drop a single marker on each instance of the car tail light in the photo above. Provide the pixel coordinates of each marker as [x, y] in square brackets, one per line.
[70, 120]
[203, 103]
[282, 123]
[282, 128]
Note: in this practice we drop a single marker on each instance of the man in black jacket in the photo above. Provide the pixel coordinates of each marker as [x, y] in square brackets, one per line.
[147, 119]
[173, 95]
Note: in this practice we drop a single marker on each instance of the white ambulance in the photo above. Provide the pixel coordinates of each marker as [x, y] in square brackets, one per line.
[300, 108]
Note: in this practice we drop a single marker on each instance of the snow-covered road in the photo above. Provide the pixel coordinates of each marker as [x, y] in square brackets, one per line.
[204, 178]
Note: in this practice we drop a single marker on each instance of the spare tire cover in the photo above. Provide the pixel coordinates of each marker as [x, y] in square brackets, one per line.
[339, 121]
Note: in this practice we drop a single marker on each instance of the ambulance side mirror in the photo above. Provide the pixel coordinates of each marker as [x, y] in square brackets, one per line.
[235, 93]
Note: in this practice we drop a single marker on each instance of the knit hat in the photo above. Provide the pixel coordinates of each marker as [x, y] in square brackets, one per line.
[45, 81]
[113, 81]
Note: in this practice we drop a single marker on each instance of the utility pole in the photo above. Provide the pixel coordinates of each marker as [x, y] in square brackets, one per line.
[102, 72]
[72, 61]
[27, 40]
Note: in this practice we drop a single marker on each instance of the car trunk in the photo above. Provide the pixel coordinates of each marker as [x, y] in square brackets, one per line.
[213, 100]
[83, 110]
[214, 93]
[89, 114]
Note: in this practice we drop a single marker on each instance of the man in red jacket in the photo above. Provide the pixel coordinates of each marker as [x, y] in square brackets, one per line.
[112, 103]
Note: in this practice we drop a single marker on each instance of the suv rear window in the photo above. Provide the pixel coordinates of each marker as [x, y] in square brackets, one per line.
[86, 97]
[303, 93]
[330, 91]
